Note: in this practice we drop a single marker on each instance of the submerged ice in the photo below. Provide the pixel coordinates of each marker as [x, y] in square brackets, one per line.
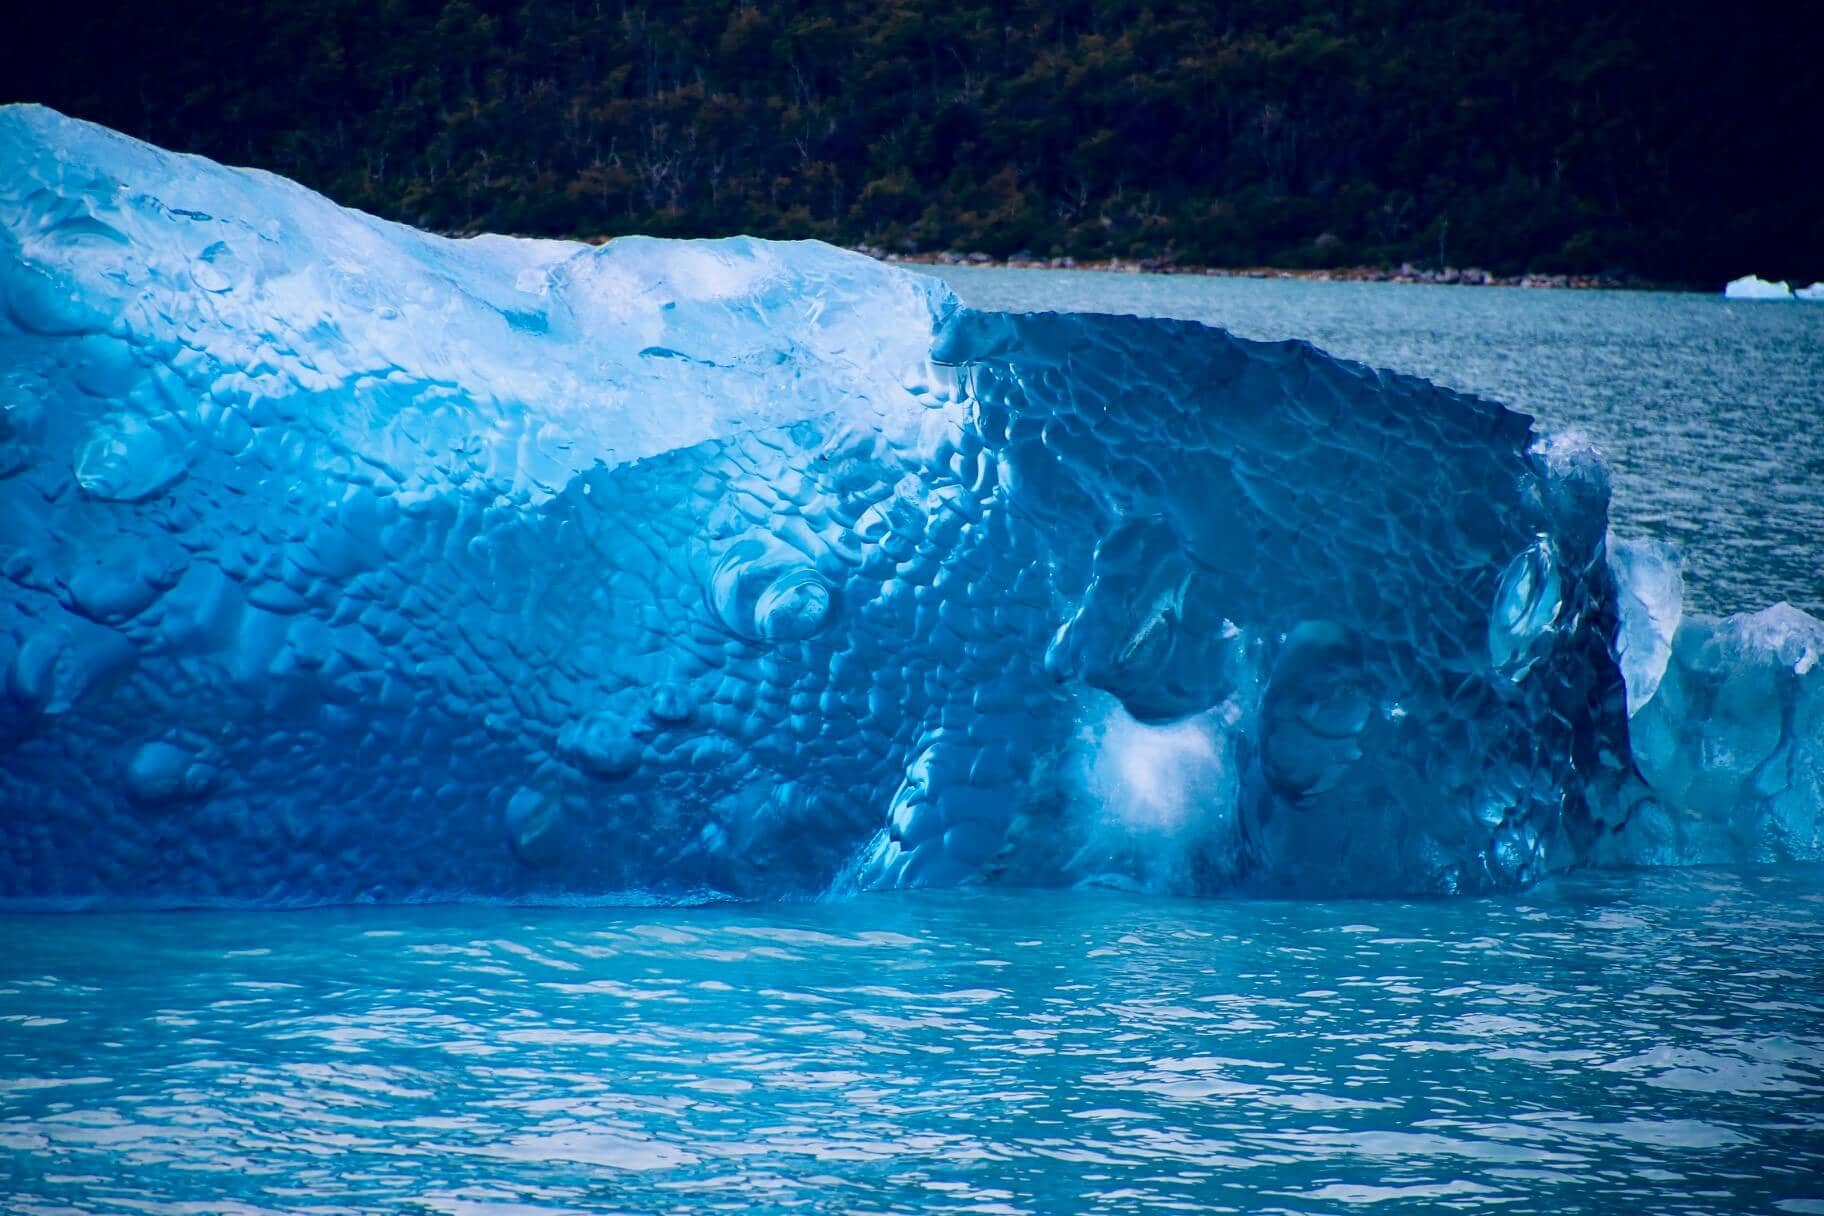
[342, 561]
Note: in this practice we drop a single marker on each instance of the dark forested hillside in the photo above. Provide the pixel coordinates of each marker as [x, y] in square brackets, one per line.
[1677, 140]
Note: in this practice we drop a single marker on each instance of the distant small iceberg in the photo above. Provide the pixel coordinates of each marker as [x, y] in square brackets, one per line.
[1814, 292]
[1752, 287]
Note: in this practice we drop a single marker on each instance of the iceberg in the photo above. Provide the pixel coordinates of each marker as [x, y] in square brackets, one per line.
[342, 562]
[1726, 727]
[1749, 287]
[1814, 292]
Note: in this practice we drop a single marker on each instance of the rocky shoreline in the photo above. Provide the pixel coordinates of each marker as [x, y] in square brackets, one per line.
[1406, 272]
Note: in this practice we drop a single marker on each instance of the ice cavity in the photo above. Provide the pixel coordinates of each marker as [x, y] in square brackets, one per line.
[1750, 287]
[1152, 804]
[339, 561]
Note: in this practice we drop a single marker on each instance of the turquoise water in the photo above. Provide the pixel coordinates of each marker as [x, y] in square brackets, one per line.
[1643, 1041]
[1649, 1042]
[1711, 412]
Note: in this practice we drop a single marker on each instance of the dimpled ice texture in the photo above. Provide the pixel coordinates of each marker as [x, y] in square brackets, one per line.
[340, 561]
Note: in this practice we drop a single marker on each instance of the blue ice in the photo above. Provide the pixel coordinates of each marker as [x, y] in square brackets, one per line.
[339, 561]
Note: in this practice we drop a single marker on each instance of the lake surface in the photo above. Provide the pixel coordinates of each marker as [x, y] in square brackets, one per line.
[1711, 412]
[1644, 1041]
[1609, 1043]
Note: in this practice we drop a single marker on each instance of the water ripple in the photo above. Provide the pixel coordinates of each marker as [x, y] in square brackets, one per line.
[1625, 1042]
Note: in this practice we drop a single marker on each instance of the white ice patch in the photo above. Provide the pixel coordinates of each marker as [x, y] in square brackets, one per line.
[1152, 801]
[1794, 638]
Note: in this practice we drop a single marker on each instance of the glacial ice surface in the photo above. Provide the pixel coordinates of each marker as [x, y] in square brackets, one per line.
[339, 561]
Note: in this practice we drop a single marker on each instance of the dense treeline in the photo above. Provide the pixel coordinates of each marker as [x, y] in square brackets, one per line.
[1677, 140]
